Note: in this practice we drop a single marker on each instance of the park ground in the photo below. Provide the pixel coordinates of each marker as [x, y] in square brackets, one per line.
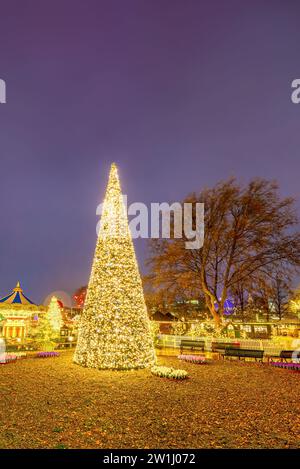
[53, 403]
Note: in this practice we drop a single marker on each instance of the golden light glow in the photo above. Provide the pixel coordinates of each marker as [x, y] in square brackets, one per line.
[114, 330]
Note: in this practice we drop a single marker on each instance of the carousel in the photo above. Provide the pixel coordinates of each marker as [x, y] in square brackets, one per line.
[17, 312]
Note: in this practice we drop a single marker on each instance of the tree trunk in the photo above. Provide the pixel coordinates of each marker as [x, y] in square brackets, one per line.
[216, 317]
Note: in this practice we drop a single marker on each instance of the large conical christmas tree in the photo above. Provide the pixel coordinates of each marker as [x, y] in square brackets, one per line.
[114, 330]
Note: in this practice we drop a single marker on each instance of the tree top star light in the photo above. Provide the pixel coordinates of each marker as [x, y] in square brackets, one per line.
[114, 329]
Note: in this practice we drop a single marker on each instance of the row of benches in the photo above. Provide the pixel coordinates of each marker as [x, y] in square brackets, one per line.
[200, 345]
[233, 350]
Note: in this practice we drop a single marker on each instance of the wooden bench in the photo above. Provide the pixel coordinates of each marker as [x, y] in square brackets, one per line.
[243, 353]
[221, 346]
[285, 355]
[192, 345]
[288, 354]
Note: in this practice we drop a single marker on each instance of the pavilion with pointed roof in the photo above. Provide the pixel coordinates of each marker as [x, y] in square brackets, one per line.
[17, 297]
[16, 313]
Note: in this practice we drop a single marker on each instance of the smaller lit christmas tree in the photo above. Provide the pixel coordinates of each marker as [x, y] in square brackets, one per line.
[49, 325]
[44, 335]
[55, 317]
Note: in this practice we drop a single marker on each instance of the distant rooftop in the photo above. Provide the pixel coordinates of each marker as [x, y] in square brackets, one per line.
[17, 297]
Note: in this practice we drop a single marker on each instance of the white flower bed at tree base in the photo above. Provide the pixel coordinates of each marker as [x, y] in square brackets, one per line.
[168, 372]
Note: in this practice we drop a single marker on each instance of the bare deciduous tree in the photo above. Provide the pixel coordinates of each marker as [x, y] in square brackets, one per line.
[248, 231]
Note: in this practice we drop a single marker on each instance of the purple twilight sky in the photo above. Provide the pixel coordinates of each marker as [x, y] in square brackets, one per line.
[180, 93]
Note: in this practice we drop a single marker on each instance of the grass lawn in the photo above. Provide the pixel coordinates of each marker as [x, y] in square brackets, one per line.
[53, 403]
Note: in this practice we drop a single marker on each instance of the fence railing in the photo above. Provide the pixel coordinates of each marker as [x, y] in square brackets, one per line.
[173, 341]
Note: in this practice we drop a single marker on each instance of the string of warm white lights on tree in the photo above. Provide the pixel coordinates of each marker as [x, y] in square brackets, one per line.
[114, 330]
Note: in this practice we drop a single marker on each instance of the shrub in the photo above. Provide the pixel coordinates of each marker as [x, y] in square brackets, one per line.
[46, 346]
[179, 328]
[207, 329]
[197, 330]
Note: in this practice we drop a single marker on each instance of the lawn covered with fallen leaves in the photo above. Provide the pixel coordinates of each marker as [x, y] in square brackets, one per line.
[53, 403]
